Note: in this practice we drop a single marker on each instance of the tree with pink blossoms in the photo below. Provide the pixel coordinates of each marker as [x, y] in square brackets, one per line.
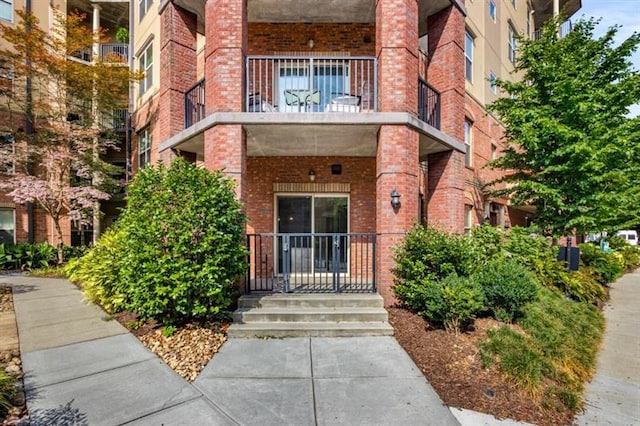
[52, 110]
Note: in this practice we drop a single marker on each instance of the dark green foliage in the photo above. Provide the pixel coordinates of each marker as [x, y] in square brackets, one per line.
[572, 147]
[177, 249]
[454, 301]
[27, 256]
[508, 286]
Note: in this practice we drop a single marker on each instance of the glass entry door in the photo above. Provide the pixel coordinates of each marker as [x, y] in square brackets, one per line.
[320, 215]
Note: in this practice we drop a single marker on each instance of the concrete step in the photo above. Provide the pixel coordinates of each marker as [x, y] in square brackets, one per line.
[297, 314]
[314, 329]
[332, 300]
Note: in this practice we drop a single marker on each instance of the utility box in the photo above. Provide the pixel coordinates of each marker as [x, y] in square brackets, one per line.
[573, 259]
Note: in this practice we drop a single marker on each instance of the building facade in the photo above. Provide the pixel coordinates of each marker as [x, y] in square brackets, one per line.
[343, 123]
[28, 223]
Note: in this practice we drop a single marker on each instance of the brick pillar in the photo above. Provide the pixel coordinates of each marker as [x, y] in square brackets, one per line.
[445, 198]
[178, 70]
[226, 31]
[397, 153]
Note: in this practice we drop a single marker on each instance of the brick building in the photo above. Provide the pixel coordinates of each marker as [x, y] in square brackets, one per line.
[343, 123]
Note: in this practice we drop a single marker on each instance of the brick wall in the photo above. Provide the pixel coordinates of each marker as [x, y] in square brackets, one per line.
[177, 67]
[263, 172]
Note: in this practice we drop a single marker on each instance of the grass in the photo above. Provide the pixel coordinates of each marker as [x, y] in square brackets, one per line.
[7, 391]
[49, 272]
[556, 350]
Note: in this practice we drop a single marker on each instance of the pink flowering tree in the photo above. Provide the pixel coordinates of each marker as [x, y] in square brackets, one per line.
[53, 109]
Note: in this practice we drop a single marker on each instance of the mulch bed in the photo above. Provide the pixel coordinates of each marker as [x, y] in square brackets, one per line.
[451, 363]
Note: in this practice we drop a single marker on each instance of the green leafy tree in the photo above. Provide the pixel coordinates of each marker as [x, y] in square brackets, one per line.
[572, 149]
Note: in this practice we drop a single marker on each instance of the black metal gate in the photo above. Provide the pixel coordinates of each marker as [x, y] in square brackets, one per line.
[311, 263]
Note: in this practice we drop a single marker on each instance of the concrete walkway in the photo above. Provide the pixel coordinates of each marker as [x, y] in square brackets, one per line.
[80, 368]
[613, 396]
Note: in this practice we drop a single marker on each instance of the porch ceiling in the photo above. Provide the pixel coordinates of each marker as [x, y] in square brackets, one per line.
[544, 9]
[331, 11]
[278, 134]
[113, 14]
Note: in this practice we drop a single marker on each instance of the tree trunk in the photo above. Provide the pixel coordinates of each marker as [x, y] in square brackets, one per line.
[60, 245]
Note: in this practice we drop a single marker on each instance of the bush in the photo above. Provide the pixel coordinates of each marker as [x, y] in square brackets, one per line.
[508, 286]
[630, 256]
[98, 271]
[27, 256]
[454, 301]
[177, 249]
[7, 391]
[430, 254]
[607, 266]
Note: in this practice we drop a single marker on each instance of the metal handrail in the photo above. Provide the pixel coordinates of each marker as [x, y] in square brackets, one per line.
[194, 104]
[428, 104]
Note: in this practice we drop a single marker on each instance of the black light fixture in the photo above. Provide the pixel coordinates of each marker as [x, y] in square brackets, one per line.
[312, 175]
[395, 199]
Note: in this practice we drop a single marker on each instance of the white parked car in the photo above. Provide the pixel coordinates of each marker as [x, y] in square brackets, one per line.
[630, 235]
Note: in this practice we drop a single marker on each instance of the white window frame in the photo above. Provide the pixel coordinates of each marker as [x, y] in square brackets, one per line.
[492, 82]
[146, 66]
[469, 40]
[144, 147]
[468, 141]
[143, 7]
[13, 212]
[11, 6]
[512, 43]
[493, 11]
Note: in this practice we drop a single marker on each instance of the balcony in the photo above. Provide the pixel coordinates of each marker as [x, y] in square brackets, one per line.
[311, 84]
[565, 29]
[111, 53]
[117, 121]
[428, 104]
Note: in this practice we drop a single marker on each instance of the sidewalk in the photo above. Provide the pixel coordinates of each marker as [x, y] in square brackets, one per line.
[80, 368]
[613, 396]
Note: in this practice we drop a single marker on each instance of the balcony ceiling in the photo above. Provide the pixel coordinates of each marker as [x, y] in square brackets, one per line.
[113, 14]
[331, 11]
[544, 9]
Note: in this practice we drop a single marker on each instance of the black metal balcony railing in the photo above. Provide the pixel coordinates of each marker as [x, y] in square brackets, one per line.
[194, 104]
[311, 263]
[428, 104]
[311, 84]
[117, 121]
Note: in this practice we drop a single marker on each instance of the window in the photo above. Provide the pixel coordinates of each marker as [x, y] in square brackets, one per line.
[468, 56]
[512, 44]
[6, 10]
[144, 147]
[145, 5]
[7, 226]
[492, 10]
[468, 218]
[492, 82]
[467, 141]
[146, 66]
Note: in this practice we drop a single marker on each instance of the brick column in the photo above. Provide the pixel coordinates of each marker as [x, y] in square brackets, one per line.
[178, 70]
[445, 198]
[397, 153]
[226, 31]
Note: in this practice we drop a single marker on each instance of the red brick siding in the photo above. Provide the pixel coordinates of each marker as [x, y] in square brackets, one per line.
[445, 197]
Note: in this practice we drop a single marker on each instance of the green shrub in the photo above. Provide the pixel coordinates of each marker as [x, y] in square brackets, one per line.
[607, 266]
[582, 285]
[508, 286]
[98, 271]
[177, 249]
[488, 242]
[430, 254]
[454, 301]
[7, 391]
[630, 256]
[27, 255]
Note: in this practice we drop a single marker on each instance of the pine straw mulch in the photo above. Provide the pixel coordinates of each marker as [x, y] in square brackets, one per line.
[452, 365]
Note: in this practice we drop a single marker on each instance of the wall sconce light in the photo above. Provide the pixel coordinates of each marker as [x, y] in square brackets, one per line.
[395, 199]
[311, 43]
[312, 175]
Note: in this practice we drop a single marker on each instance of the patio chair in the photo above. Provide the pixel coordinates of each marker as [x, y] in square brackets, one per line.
[342, 102]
